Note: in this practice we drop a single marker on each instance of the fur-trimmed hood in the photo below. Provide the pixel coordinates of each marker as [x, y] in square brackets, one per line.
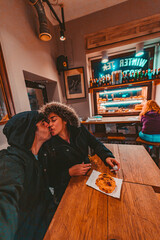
[64, 111]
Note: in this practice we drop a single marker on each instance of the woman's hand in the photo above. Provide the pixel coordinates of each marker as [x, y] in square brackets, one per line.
[79, 169]
[112, 162]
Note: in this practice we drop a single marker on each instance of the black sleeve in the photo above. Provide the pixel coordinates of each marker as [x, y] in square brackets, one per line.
[97, 146]
[11, 187]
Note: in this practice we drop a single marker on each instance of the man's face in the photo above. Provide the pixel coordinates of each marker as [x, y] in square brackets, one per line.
[42, 130]
[56, 124]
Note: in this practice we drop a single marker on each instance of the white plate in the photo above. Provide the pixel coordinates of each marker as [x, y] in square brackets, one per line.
[91, 183]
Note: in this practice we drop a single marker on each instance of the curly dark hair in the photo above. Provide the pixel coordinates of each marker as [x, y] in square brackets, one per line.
[64, 111]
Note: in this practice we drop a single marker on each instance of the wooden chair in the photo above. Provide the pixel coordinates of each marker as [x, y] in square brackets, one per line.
[155, 145]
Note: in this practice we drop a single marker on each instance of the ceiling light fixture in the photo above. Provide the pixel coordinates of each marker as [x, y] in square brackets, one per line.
[62, 37]
[44, 30]
[139, 49]
[61, 23]
[104, 57]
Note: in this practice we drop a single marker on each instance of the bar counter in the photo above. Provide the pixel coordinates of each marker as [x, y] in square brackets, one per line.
[87, 214]
[105, 120]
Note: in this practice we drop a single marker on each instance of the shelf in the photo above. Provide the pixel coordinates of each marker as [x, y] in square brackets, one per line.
[121, 102]
[123, 90]
[123, 85]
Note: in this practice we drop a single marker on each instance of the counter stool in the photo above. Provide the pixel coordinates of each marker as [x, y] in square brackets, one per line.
[154, 144]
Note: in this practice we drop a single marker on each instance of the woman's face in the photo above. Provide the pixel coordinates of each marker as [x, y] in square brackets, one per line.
[56, 124]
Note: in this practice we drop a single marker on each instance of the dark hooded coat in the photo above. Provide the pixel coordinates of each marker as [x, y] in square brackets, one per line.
[26, 204]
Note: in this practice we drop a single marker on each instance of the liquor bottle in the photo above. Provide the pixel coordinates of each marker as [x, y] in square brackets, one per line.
[108, 80]
[123, 78]
[94, 82]
[159, 73]
[117, 78]
[155, 74]
[103, 82]
[140, 75]
[113, 78]
[97, 82]
[143, 75]
[146, 75]
[149, 74]
[132, 78]
[152, 73]
[120, 76]
[128, 77]
[135, 76]
[91, 83]
[100, 82]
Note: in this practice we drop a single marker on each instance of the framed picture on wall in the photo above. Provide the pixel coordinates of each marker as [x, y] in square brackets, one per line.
[74, 83]
[7, 109]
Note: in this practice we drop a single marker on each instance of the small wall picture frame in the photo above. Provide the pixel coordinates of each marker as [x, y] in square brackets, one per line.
[74, 83]
[7, 109]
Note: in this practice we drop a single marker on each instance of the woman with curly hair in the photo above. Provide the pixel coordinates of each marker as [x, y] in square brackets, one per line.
[150, 119]
[67, 150]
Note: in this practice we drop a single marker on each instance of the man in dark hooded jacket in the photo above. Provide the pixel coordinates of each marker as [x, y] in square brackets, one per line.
[26, 204]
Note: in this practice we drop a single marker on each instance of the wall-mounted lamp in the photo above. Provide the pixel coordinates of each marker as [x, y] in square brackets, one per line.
[139, 49]
[44, 30]
[104, 57]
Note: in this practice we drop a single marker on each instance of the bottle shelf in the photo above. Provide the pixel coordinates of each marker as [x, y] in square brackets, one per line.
[138, 83]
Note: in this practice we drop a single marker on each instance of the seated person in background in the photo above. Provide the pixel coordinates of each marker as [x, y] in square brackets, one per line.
[150, 119]
[26, 204]
[67, 150]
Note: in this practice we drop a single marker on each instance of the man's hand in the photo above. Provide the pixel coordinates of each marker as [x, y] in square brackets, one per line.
[112, 162]
[79, 169]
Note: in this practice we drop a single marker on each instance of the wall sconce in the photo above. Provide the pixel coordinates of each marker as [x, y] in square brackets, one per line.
[139, 49]
[104, 57]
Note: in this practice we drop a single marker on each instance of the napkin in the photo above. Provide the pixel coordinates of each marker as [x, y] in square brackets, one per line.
[92, 179]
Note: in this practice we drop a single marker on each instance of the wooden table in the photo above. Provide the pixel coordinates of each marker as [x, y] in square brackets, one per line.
[87, 214]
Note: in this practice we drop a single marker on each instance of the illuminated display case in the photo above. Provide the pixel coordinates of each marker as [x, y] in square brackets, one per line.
[124, 99]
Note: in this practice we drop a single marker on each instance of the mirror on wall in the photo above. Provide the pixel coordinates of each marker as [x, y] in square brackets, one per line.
[37, 94]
